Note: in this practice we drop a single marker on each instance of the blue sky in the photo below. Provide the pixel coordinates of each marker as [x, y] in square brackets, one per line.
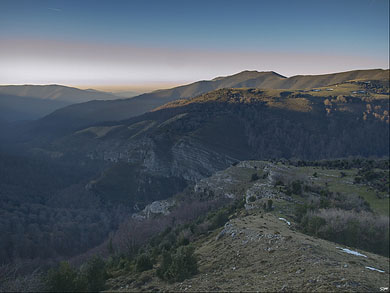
[280, 35]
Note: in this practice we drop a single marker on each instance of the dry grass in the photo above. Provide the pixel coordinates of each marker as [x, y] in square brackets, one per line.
[265, 254]
[260, 252]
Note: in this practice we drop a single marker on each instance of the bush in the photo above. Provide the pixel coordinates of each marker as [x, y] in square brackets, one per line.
[312, 224]
[163, 271]
[95, 274]
[252, 198]
[279, 183]
[269, 205]
[296, 187]
[220, 218]
[300, 212]
[179, 266]
[183, 241]
[143, 263]
[254, 177]
[362, 230]
[65, 279]
[91, 277]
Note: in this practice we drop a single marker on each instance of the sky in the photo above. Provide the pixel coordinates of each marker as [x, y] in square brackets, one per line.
[139, 45]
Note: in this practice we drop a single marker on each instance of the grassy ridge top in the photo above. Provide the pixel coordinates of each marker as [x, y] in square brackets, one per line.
[340, 97]
[83, 114]
[271, 248]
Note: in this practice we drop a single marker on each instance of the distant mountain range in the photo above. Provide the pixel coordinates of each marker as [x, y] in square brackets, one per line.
[56, 92]
[75, 159]
[189, 139]
[91, 112]
[28, 102]
[16, 108]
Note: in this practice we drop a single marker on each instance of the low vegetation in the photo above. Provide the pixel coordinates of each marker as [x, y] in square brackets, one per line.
[309, 193]
[90, 277]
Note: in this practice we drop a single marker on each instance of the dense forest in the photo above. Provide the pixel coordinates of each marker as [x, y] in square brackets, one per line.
[44, 205]
[71, 192]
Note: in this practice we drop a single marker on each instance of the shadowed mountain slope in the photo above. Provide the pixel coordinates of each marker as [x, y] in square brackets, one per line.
[66, 94]
[193, 138]
[77, 116]
[262, 240]
[27, 102]
[14, 108]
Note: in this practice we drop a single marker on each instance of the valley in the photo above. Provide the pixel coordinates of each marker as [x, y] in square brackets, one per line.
[130, 194]
[261, 247]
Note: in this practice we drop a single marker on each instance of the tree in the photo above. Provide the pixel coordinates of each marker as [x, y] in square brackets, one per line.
[64, 279]
[179, 266]
[95, 274]
[254, 177]
[143, 263]
[269, 204]
[296, 187]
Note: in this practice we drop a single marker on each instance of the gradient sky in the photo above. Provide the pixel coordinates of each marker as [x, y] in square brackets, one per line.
[140, 44]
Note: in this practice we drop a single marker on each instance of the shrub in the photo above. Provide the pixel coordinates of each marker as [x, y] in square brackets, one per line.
[91, 277]
[179, 266]
[300, 212]
[254, 177]
[143, 263]
[269, 204]
[183, 241]
[357, 229]
[95, 274]
[278, 182]
[220, 218]
[163, 271]
[252, 198]
[65, 279]
[312, 224]
[296, 187]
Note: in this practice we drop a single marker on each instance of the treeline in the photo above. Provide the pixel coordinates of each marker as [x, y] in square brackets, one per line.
[312, 136]
[45, 211]
[283, 131]
[342, 218]
[161, 244]
[344, 164]
[168, 253]
[37, 231]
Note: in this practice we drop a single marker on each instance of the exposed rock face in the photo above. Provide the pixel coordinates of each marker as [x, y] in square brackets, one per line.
[192, 139]
[155, 208]
[186, 158]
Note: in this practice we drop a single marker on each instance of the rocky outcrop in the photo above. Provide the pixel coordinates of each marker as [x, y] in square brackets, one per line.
[159, 207]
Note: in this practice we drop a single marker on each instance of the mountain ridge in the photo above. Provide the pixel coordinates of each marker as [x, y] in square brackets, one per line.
[56, 92]
[84, 114]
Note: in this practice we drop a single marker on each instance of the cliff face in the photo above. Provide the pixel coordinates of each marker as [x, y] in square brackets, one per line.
[258, 247]
[187, 140]
[81, 115]
[187, 157]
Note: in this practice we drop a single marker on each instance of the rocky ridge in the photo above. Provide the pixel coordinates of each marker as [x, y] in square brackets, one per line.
[259, 250]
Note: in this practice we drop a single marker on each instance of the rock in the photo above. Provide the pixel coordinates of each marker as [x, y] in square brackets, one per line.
[220, 235]
[158, 207]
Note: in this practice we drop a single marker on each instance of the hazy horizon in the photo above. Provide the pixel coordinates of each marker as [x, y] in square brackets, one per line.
[149, 87]
[149, 45]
